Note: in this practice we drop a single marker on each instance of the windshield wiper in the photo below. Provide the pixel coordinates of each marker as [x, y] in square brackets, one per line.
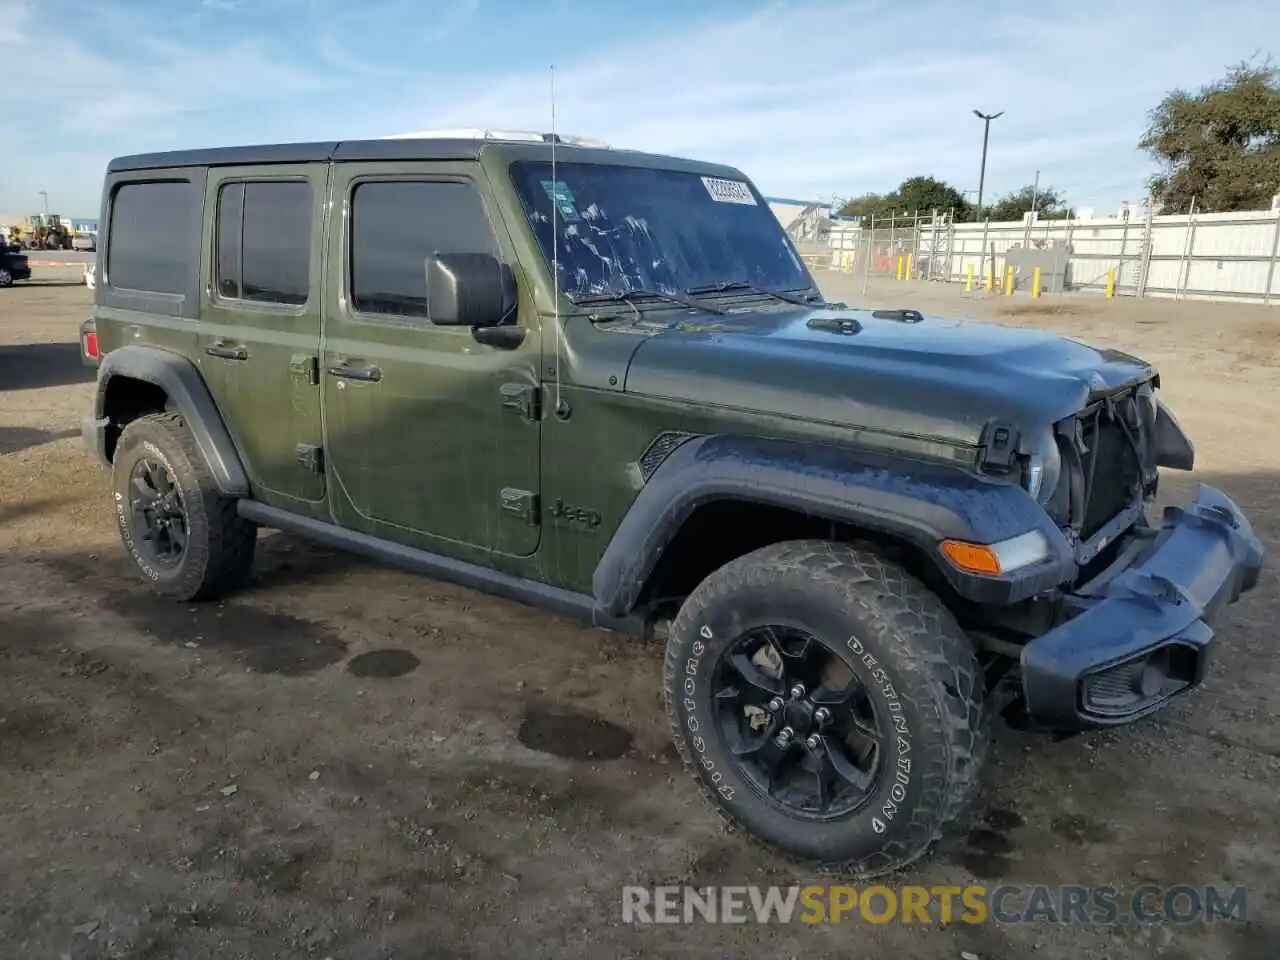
[630, 296]
[725, 286]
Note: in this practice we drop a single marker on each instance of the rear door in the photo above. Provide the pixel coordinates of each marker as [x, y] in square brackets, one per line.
[432, 438]
[260, 323]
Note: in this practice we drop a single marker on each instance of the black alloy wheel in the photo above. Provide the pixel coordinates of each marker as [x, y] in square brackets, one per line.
[798, 722]
[160, 524]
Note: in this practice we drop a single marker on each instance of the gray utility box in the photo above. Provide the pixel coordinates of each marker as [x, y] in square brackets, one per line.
[1051, 259]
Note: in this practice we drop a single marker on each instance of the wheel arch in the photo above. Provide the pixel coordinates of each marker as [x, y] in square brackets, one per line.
[796, 490]
[134, 380]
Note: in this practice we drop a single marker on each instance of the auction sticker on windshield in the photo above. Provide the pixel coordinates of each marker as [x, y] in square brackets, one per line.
[562, 197]
[729, 191]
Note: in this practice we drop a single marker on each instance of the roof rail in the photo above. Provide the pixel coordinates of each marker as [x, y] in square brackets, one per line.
[481, 133]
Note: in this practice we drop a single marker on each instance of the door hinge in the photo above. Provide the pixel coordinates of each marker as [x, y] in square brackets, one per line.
[305, 367]
[522, 504]
[310, 456]
[525, 398]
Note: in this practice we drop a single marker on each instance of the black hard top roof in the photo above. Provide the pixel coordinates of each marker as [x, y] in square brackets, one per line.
[389, 149]
[304, 153]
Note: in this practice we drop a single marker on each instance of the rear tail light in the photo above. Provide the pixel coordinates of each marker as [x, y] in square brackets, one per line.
[90, 349]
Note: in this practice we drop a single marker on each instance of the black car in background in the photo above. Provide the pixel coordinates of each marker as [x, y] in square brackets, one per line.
[13, 265]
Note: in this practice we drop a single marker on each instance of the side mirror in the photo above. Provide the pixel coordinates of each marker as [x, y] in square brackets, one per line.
[470, 290]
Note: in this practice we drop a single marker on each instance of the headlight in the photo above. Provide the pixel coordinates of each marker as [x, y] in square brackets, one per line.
[1044, 469]
[1147, 393]
[1148, 405]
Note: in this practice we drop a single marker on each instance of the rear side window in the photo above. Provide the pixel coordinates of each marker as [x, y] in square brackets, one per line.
[263, 242]
[395, 226]
[150, 236]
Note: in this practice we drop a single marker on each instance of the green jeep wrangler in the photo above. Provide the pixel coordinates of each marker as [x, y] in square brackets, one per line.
[603, 382]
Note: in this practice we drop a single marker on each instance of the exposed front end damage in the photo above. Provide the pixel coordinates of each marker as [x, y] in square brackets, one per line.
[1134, 629]
[1140, 631]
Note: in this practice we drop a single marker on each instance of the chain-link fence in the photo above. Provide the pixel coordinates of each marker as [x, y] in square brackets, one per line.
[1197, 256]
[914, 245]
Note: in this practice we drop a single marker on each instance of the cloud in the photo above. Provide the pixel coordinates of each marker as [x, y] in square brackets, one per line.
[810, 97]
[341, 25]
[822, 97]
[14, 16]
[133, 75]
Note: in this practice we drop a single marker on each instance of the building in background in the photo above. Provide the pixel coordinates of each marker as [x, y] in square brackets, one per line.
[807, 221]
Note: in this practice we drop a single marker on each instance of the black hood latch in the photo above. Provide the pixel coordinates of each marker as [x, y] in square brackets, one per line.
[999, 443]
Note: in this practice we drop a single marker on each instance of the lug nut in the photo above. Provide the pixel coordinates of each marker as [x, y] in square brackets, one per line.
[797, 691]
[814, 741]
[822, 715]
[776, 704]
[785, 735]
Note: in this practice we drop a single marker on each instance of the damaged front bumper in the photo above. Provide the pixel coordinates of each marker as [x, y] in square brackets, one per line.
[1139, 634]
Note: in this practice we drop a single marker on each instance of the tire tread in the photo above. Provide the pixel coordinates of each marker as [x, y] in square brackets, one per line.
[932, 641]
[231, 539]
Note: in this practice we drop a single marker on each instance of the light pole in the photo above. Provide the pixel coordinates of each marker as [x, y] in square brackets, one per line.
[986, 119]
[45, 195]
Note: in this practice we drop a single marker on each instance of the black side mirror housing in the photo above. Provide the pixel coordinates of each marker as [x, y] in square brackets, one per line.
[470, 290]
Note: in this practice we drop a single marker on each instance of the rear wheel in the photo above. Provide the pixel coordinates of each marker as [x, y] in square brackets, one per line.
[6, 278]
[184, 535]
[828, 703]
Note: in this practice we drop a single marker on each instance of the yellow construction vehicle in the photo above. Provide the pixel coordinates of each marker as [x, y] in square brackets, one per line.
[46, 232]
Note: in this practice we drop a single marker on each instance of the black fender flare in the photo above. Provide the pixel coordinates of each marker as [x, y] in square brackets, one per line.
[181, 380]
[911, 500]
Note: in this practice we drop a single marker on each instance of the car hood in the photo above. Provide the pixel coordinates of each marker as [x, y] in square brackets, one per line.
[934, 377]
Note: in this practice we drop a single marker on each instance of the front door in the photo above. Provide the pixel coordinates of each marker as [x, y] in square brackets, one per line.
[429, 441]
[260, 323]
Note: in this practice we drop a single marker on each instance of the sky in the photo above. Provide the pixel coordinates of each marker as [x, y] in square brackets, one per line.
[810, 99]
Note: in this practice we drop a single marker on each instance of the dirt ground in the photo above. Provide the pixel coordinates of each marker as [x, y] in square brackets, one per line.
[349, 762]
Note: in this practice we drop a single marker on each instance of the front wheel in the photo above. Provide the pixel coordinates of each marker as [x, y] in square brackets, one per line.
[828, 703]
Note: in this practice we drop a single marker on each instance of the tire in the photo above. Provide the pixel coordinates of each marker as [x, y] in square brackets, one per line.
[6, 278]
[217, 556]
[915, 672]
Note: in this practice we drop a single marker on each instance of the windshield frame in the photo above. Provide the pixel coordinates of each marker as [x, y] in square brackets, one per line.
[804, 282]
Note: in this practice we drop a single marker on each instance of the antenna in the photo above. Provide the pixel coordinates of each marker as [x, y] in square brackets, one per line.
[555, 238]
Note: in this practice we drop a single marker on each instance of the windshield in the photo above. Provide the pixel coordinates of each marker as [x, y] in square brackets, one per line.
[634, 228]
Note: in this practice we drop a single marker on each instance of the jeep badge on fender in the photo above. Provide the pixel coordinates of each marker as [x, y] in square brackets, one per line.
[579, 515]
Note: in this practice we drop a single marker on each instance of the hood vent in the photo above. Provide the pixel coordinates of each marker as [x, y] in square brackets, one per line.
[906, 315]
[846, 326]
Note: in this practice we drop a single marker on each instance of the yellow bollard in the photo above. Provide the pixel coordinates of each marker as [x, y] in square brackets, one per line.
[1035, 284]
[1111, 284]
[968, 278]
[1008, 281]
[909, 265]
[899, 268]
[990, 279]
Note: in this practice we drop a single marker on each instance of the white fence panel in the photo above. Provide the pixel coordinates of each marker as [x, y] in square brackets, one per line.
[1219, 256]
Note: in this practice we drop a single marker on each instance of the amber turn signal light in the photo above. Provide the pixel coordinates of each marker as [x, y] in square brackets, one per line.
[972, 557]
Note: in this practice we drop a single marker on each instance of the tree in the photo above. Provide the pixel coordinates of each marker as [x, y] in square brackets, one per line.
[868, 205]
[927, 194]
[1013, 206]
[1221, 145]
[914, 195]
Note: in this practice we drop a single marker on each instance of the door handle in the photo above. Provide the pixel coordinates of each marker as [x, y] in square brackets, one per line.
[227, 351]
[355, 371]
